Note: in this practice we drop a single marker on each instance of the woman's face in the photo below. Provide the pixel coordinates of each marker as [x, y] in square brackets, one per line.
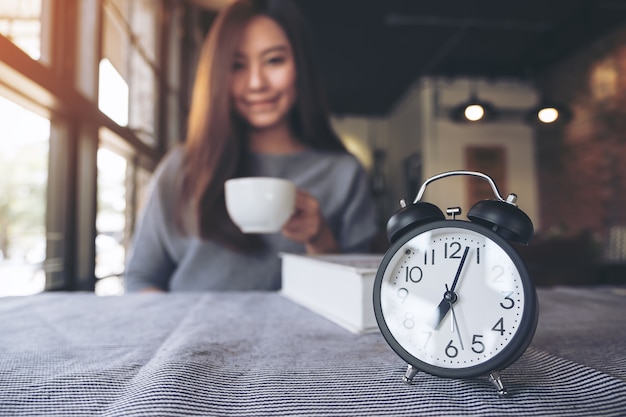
[263, 82]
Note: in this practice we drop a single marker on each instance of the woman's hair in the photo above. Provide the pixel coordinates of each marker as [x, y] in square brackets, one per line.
[216, 142]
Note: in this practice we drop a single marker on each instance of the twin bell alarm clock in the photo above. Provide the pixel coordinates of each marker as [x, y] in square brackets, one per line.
[453, 298]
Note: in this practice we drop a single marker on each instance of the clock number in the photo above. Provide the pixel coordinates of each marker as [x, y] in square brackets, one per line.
[499, 272]
[499, 326]
[510, 302]
[478, 256]
[432, 257]
[403, 293]
[451, 350]
[477, 345]
[413, 276]
[408, 322]
[455, 248]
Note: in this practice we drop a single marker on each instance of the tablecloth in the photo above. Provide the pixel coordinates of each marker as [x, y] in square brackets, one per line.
[260, 354]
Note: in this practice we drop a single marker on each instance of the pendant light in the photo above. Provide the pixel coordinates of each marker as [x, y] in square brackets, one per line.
[548, 112]
[473, 110]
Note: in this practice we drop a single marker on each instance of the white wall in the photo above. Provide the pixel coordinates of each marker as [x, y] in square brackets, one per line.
[362, 136]
[406, 136]
[420, 123]
[446, 141]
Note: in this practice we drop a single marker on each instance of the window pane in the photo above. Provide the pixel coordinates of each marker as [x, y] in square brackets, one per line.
[143, 83]
[112, 93]
[143, 99]
[110, 222]
[129, 45]
[143, 20]
[24, 145]
[20, 22]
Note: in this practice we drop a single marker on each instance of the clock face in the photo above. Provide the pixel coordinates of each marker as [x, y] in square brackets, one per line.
[454, 299]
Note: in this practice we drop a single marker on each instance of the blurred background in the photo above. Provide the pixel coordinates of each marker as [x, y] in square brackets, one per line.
[94, 92]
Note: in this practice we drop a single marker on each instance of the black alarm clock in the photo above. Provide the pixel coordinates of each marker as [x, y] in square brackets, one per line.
[453, 298]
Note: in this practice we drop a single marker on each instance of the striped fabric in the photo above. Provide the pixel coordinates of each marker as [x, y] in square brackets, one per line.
[259, 354]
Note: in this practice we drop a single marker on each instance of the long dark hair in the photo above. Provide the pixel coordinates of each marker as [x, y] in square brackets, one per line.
[216, 142]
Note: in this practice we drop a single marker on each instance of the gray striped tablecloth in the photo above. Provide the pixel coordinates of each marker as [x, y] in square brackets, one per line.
[259, 354]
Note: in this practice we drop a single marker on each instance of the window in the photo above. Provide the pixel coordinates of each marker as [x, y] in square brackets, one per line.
[113, 93]
[129, 44]
[92, 93]
[110, 222]
[24, 161]
[20, 23]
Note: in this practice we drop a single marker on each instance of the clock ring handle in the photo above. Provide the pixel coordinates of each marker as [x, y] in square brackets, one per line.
[511, 198]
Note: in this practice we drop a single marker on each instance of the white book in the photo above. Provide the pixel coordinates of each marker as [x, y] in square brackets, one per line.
[338, 287]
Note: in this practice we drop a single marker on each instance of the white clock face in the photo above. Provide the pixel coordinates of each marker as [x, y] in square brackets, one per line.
[450, 324]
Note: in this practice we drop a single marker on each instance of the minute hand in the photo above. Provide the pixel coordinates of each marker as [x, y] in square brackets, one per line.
[459, 269]
[449, 296]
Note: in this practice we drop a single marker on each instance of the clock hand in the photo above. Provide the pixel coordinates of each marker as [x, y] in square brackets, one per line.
[452, 322]
[449, 296]
[459, 269]
[455, 325]
[442, 309]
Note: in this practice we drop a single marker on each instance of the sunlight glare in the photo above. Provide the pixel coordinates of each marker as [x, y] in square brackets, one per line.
[113, 93]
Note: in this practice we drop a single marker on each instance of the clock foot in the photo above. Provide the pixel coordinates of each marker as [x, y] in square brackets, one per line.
[411, 371]
[495, 379]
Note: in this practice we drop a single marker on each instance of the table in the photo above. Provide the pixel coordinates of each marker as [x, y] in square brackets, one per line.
[259, 354]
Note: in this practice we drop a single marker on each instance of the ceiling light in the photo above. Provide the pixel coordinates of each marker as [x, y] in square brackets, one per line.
[473, 110]
[549, 113]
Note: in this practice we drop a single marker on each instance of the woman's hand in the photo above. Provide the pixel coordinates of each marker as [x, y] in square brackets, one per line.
[307, 226]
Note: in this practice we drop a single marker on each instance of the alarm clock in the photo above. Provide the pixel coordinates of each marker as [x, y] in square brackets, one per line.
[453, 298]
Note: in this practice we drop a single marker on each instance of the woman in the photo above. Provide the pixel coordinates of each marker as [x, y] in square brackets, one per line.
[256, 110]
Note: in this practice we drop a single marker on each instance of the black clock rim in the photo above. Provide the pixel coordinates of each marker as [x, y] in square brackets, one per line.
[518, 344]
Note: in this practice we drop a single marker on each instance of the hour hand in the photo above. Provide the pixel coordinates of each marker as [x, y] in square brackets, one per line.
[439, 314]
[442, 309]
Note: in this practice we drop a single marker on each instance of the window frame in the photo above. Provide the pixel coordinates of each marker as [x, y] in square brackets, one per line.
[63, 87]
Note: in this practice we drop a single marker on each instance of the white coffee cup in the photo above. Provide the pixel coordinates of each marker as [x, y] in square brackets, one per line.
[260, 204]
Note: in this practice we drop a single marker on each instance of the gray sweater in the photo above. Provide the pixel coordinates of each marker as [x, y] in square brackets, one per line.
[162, 257]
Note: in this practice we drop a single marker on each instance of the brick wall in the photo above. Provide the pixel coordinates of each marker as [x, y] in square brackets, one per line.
[582, 165]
